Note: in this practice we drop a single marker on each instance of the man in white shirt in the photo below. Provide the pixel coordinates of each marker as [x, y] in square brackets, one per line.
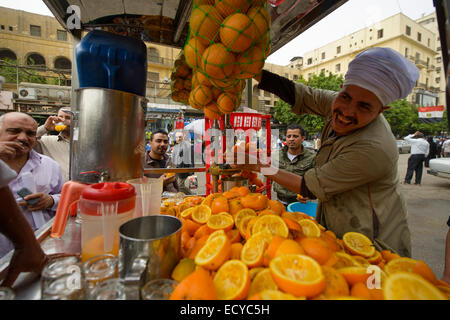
[419, 151]
[446, 149]
[56, 147]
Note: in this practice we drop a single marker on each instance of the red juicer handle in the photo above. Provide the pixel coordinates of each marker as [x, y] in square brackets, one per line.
[70, 193]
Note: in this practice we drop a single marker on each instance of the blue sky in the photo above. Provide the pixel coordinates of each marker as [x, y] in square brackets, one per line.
[350, 17]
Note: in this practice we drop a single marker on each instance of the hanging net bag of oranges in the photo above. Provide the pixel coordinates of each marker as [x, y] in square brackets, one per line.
[181, 80]
[228, 42]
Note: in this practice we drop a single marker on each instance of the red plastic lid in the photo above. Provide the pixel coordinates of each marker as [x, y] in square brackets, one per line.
[93, 195]
[109, 191]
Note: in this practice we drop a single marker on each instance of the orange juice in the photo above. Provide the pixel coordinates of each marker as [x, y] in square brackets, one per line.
[94, 247]
[60, 127]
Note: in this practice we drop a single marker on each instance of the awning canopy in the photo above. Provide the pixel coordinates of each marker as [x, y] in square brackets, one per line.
[166, 21]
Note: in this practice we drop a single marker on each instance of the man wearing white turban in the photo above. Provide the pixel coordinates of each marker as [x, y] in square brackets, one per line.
[355, 174]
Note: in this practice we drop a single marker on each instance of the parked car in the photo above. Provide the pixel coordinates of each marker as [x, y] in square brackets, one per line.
[440, 167]
[308, 144]
[403, 146]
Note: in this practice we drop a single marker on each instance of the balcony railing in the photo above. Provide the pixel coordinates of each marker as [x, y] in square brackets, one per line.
[421, 63]
[160, 60]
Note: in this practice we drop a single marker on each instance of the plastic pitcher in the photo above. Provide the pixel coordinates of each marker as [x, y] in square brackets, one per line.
[103, 208]
[148, 195]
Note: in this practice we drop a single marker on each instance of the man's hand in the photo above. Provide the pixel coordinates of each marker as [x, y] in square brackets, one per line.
[168, 180]
[50, 123]
[8, 149]
[45, 201]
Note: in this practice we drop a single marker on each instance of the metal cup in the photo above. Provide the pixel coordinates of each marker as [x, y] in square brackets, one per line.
[149, 249]
[231, 182]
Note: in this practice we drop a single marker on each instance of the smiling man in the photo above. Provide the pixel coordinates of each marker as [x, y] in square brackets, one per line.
[39, 173]
[355, 174]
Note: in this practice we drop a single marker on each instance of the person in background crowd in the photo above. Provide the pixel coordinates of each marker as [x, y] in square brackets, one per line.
[446, 148]
[355, 176]
[439, 147]
[182, 157]
[40, 174]
[433, 151]
[159, 141]
[316, 143]
[419, 151]
[293, 158]
[56, 147]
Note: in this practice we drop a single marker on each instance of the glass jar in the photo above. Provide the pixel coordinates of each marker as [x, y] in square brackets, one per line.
[111, 289]
[98, 269]
[6, 294]
[159, 289]
[57, 271]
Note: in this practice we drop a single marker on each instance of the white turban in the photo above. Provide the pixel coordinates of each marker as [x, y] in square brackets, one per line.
[383, 71]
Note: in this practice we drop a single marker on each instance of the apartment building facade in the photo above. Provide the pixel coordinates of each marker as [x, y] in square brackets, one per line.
[411, 38]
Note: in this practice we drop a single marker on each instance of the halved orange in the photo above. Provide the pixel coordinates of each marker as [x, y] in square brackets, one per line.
[243, 213]
[254, 271]
[214, 253]
[355, 274]
[298, 274]
[232, 281]
[236, 249]
[295, 216]
[201, 213]
[215, 234]
[410, 286]
[400, 264]
[253, 251]
[270, 294]
[234, 235]
[187, 212]
[358, 244]
[309, 228]
[243, 225]
[222, 221]
[272, 223]
[345, 260]
[272, 249]
[262, 281]
[376, 258]
[421, 268]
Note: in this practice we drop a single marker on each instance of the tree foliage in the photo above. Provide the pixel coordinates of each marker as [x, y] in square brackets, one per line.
[8, 69]
[311, 123]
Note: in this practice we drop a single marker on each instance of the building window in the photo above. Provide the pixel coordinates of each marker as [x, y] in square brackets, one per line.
[338, 49]
[338, 68]
[2, 27]
[35, 30]
[152, 79]
[323, 55]
[10, 28]
[7, 54]
[309, 60]
[428, 62]
[438, 59]
[267, 94]
[35, 59]
[295, 77]
[438, 79]
[408, 30]
[61, 35]
[322, 70]
[153, 55]
[419, 36]
[406, 52]
[380, 34]
[62, 63]
[309, 75]
[428, 42]
[256, 90]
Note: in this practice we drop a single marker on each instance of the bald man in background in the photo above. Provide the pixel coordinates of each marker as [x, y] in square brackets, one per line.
[40, 174]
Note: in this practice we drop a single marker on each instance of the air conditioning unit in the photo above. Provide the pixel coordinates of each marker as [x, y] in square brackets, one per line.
[27, 93]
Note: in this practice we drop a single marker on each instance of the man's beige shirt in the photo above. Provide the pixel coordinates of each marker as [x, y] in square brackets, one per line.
[355, 177]
[55, 147]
